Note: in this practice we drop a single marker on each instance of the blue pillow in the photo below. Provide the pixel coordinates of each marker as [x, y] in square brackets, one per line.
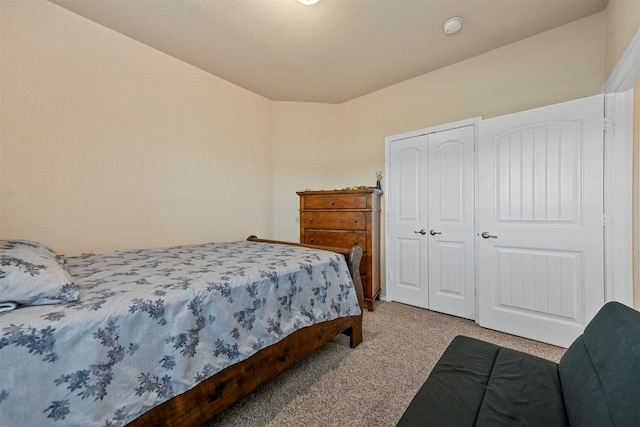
[32, 274]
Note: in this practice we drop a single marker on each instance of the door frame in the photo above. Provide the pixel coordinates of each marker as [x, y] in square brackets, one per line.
[387, 153]
[620, 258]
[618, 197]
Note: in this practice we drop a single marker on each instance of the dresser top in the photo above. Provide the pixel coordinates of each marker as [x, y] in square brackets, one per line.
[369, 190]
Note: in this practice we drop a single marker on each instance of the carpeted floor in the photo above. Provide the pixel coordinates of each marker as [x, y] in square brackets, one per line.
[370, 385]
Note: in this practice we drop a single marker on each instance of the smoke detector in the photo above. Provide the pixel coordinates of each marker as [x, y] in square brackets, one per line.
[452, 25]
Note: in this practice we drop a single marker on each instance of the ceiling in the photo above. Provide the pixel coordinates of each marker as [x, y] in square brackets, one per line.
[333, 51]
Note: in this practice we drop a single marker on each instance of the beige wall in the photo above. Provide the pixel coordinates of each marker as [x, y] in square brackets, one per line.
[343, 145]
[305, 154]
[109, 144]
[623, 22]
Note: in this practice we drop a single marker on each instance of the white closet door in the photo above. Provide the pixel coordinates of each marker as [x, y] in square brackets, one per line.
[451, 221]
[408, 246]
[431, 213]
[540, 260]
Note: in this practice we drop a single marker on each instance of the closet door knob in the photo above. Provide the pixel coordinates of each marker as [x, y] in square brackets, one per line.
[487, 235]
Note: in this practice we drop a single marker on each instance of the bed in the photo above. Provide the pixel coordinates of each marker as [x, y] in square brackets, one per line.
[165, 336]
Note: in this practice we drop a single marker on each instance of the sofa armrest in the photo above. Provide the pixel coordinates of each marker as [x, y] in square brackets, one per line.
[600, 372]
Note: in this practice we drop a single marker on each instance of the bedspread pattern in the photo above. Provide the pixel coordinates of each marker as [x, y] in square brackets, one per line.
[151, 324]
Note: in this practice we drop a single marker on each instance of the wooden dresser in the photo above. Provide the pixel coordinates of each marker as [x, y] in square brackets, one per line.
[342, 218]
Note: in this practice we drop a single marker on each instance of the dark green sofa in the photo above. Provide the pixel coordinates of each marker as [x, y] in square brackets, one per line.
[596, 383]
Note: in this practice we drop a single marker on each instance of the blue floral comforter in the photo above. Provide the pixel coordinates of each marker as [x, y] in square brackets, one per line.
[151, 324]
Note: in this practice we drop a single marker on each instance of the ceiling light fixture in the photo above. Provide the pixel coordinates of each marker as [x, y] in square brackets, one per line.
[452, 25]
[308, 2]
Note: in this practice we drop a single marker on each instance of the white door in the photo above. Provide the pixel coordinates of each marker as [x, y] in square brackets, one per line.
[407, 190]
[540, 221]
[431, 212]
[451, 221]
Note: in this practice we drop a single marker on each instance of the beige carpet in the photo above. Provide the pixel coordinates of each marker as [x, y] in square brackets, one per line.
[372, 384]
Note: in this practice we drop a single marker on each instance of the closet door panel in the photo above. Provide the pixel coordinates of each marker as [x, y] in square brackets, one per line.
[451, 222]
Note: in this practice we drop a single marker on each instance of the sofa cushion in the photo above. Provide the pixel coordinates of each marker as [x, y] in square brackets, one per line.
[523, 390]
[479, 383]
[454, 390]
[600, 372]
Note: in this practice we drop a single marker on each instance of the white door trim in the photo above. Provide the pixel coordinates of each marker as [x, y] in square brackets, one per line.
[618, 178]
[388, 141]
[618, 202]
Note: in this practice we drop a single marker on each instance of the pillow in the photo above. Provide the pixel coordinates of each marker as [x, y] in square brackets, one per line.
[32, 274]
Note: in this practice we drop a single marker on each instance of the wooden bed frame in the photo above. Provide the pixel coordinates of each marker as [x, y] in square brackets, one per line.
[203, 402]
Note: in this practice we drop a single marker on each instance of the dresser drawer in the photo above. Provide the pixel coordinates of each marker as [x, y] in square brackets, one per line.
[334, 220]
[357, 201]
[336, 239]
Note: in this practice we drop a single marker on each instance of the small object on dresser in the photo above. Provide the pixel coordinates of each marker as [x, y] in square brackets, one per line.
[378, 179]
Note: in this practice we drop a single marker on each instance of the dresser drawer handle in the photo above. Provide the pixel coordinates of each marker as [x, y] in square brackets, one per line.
[355, 220]
[355, 242]
[310, 219]
[311, 240]
[333, 202]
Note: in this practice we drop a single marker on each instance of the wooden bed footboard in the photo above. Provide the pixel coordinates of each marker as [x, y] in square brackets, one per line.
[203, 402]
